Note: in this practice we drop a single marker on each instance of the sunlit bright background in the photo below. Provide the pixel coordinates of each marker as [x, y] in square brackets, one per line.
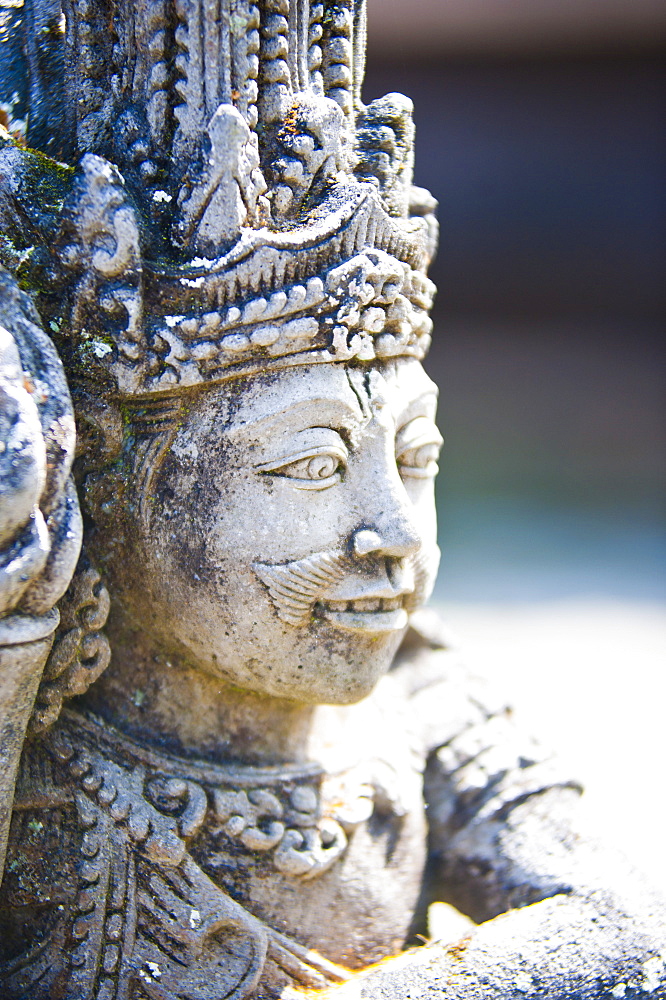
[540, 131]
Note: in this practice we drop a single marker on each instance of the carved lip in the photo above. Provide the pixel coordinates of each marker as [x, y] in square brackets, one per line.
[367, 614]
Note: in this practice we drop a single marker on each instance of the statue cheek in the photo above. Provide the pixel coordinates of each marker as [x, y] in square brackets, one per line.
[421, 493]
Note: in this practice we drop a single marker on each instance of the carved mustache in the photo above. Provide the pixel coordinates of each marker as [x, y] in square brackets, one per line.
[296, 587]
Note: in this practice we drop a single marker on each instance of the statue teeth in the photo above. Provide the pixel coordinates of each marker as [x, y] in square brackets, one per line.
[366, 604]
[391, 603]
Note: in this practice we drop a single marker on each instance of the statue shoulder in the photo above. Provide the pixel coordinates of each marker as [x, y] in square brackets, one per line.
[112, 899]
[100, 848]
[39, 887]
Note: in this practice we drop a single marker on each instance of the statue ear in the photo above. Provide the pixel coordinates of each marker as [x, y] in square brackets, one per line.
[99, 432]
[99, 447]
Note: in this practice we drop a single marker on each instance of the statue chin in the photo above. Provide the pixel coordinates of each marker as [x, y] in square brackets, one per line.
[315, 668]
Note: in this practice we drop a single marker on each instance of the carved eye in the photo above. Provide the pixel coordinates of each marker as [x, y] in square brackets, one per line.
[315, 469]
[319, 467]
[421, 463]
[417, 449]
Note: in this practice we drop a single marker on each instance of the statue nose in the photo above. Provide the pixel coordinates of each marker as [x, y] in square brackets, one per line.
[398, 541]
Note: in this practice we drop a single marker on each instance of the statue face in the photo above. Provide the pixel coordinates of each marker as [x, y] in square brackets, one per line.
[294, 527]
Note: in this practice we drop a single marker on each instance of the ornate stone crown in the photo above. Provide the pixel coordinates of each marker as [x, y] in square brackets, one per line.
[235, 206]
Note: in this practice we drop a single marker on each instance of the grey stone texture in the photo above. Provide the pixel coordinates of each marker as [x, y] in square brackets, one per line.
[238, 758]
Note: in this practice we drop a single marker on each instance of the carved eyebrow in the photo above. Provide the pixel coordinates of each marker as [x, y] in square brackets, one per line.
[311, 412]
[423, 405]
[416, 433]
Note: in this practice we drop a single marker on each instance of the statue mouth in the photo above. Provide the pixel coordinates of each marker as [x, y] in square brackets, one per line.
[327, 586]
[367, 614]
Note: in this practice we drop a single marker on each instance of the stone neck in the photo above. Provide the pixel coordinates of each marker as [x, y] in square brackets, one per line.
[164, 701]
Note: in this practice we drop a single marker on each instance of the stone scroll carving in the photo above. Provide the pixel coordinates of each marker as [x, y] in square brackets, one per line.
[223, 712]
[40, 523]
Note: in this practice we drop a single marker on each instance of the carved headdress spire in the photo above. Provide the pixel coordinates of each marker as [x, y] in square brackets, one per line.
[235, 205]
[177, 61]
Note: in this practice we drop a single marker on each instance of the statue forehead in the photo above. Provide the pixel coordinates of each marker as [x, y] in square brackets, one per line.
[323, 392]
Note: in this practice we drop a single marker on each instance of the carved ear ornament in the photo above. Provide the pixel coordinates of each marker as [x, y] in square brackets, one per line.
[80, 652]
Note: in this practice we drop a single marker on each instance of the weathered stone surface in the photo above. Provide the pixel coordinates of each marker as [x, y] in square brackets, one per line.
[40, 523]
[238, 760]
[600, 952]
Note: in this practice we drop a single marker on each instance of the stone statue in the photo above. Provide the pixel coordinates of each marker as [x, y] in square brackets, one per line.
[221, 727]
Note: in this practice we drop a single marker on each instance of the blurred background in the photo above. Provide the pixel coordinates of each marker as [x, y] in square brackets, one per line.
[540, 129]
